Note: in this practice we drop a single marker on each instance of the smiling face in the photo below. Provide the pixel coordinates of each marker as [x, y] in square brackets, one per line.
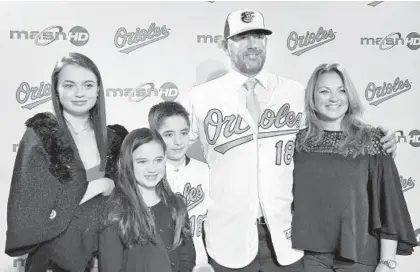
[77, 90]
[149, 164]
[331, 100]
[247, 52]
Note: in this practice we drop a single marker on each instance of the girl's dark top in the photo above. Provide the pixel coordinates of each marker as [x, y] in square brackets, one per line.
[345, 205]
[44, 217]
[147, 257]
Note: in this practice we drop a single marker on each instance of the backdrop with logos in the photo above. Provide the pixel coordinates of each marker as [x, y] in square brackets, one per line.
[160, 50]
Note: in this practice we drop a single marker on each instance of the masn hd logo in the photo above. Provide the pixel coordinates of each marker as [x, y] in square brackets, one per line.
[167, 92]
[77, 35]
[413, 137]
[209, 38]
[15, 147]
[412, 41]
[19, 262]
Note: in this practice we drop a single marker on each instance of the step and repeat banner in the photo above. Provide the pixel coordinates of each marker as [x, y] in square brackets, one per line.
[168, 47]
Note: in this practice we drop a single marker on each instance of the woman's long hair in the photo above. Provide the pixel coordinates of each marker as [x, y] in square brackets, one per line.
[356, 133]
[126, 206]
[97, 113]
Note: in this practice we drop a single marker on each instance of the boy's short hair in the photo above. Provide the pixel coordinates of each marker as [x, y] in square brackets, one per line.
[158, 113]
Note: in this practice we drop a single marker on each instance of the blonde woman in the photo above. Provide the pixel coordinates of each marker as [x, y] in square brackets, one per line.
[349, 210]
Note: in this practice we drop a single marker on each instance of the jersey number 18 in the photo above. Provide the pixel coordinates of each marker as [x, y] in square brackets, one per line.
[284, 153]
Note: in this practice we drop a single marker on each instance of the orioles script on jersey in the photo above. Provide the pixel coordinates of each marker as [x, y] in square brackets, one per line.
[193, 196]
[231, 125]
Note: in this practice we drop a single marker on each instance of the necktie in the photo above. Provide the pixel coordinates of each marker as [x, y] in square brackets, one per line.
[253, 106]
[252, 103]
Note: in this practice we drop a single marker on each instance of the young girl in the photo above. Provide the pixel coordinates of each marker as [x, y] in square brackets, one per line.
[146, 224]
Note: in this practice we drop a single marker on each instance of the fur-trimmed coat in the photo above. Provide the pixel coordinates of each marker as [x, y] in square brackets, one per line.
[44, 217]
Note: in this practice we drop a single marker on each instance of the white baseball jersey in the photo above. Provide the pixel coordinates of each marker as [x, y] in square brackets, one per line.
[192, 181]
[247, 164]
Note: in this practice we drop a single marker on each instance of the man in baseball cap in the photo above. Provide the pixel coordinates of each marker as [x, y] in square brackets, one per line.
[249, 216]
[245, 41]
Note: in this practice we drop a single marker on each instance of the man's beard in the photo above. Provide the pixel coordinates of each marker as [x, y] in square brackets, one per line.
[250, 67]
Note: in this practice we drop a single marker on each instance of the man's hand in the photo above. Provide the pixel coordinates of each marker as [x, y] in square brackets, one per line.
[389, 141]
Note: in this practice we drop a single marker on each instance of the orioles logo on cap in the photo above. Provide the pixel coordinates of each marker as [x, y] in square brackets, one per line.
[247, 16]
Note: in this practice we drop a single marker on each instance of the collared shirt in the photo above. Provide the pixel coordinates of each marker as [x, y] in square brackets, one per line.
[244, 171]
[263, 88]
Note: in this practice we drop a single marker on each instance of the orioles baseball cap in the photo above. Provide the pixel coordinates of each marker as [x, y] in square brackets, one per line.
[244, 20]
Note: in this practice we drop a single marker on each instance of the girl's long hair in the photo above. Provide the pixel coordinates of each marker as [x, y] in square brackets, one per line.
[356, 133]
[126, 206]
[96, 114]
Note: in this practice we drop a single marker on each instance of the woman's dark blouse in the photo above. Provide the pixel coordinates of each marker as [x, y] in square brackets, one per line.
[344, 204]
[147, 257]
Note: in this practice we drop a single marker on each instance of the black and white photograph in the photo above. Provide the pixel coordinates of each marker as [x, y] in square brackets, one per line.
[210, 136]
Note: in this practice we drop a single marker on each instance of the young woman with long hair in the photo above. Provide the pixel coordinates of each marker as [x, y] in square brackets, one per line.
[64, 169]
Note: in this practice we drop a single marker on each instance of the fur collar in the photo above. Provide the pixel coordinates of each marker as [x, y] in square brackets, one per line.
[60, 153]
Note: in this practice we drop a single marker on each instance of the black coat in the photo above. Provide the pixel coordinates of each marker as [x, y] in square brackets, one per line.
[44, 217]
